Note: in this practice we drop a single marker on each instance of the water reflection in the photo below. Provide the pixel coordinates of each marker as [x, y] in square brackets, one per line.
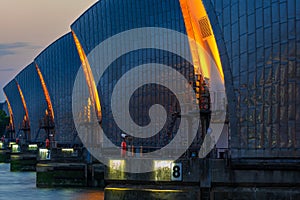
[21, 185]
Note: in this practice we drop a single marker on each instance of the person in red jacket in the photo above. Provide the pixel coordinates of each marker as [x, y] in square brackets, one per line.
[47, 143]
[123, 146]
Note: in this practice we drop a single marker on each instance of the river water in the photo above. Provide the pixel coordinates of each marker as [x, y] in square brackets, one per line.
[21, 185]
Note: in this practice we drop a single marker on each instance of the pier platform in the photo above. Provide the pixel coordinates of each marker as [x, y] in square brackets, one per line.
[4, 156]
[69, 175]
[67, 168]
[208, 179]
[23, 162]
[23, 158]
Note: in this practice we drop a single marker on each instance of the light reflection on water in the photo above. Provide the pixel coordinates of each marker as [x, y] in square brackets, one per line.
[21, 185]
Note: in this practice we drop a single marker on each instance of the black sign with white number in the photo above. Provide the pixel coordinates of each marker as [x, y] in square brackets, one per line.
[48, 155]
[176, 172]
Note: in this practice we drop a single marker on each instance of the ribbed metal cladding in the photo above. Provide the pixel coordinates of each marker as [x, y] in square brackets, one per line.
[259, 47]
[258, 42]
[12, 93]
[33, 94]
[59, 64]
[108, 18]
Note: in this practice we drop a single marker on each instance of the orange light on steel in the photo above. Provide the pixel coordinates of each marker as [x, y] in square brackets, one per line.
[23, 101]
[95, 100]
[11, 115]
[46, 93]
[199, 29]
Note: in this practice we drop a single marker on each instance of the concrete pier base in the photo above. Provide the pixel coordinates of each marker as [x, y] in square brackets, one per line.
[23, 162]
[4, 156]
[69, 175]
[95, 175]
[253, 179]
[209, 179]
[61, 175]
[160, 183]
[151, 192]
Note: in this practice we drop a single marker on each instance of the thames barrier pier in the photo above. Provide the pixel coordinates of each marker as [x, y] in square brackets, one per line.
[164, 99]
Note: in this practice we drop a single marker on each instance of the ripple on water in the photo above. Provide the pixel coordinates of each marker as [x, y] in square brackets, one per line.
[21, 185]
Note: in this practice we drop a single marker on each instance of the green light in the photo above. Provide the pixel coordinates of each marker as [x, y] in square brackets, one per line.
[162, 170]
[32, 147]
[69, 150]
[10, 144]
[44, 154]
[116, 169]
[138, 189]
[15, 148]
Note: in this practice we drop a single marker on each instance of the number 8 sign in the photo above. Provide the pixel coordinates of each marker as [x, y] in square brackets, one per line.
[176, 172]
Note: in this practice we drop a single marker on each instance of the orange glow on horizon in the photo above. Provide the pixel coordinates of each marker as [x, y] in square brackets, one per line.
[11, 116]
[89, 77]
[46, 93]
[23, 102]
[199, 29]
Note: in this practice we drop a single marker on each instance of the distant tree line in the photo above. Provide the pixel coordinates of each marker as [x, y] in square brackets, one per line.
[4, 121]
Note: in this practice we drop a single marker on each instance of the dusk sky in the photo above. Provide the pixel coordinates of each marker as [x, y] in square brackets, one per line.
[29, 26]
